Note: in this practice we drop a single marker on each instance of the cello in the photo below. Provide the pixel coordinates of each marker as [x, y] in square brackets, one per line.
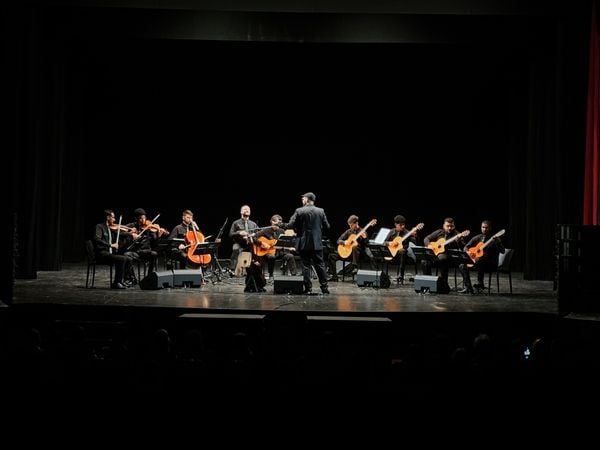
[195, 237]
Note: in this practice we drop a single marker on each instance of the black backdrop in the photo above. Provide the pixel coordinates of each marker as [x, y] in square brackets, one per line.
[371, 129]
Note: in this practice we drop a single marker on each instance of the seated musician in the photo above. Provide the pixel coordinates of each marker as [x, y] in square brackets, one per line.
[180, 253]
[405, 238]
[354, 228]
[446, 238]
[265, 242]
[241, 232]
[106, 246]
[488, 261]
[142, 246]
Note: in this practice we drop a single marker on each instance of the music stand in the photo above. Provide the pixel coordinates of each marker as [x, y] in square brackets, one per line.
[209, 248]
[380, 253]
[286, 241]
[424, 253]
[459, 257]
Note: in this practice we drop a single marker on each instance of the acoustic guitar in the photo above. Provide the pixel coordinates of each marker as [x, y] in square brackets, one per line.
[439, 246]
[476, 251]
[345, 249]
[396, 245]
[271, 247]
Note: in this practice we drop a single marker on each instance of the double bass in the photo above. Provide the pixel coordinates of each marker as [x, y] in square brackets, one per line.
[193, 238]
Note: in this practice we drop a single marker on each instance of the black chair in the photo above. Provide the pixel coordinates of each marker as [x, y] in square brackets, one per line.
[91, 265]
[504, 266]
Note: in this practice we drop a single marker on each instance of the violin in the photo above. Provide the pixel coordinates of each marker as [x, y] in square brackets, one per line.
[122, 228]
[148, 225]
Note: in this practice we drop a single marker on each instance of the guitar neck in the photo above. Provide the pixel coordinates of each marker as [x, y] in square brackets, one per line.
[490, 240]
[417, 228]
[365, 228]
[453, 238]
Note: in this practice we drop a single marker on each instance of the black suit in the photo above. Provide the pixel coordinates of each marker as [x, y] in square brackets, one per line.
[308, 223]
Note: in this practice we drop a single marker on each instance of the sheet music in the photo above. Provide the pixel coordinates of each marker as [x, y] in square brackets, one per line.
[381, 235]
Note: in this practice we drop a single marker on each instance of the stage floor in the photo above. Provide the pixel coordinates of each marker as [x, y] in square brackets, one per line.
[67, 287]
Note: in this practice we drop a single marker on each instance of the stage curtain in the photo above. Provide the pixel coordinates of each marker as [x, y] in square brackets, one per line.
[591, 191]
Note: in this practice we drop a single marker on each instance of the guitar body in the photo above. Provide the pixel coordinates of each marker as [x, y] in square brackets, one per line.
[438, 246]
[259, 251]
[476, 252]
[345, 249]
[396, 245]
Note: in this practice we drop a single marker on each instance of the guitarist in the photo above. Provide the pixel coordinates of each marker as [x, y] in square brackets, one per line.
[447, 232]
[354, 229]
[401, 232]
[488, 261]
[264, 242]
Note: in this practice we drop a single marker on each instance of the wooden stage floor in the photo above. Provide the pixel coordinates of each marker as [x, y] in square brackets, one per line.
[67, 287]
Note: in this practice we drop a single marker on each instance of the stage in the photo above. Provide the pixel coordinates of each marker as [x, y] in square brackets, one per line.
[67, 287]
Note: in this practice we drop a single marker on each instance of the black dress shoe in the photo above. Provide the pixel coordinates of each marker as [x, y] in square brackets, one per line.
[118, 285]
[324, 291]
[467, 290]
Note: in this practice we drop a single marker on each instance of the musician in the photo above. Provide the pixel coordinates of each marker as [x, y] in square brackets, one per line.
[401, 231]
[142, 247]
[488, 262]
[179, 253]
[242, 232]
[106, 247]
[448, 231]
[354, 228]
[272, 234]
[308, 222]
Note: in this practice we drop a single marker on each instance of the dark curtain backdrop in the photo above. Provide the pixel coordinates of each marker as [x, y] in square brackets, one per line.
[494, 126]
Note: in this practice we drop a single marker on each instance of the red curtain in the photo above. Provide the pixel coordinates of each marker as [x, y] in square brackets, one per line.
[591, 191]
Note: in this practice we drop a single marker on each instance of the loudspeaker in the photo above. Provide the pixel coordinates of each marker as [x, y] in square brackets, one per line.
[187, 277]
[430, 283]
[372, 278]
[288, 285]
[157, 280]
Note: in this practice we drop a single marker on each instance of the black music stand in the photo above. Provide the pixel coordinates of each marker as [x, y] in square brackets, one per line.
[166, 247]
[286, 241]
[458, 257]
[380, 253]
[424, 253]
[203, 248]
[208, 248]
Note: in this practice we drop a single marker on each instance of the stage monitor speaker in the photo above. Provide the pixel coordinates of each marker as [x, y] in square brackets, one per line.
[288, 285]
[157, 280]
[187, 277]
[372, 278]
[431, 284]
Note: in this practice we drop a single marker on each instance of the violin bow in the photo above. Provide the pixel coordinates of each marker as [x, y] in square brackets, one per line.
[118, 231]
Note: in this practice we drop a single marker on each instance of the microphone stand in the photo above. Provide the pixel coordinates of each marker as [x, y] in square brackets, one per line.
[217, 269]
